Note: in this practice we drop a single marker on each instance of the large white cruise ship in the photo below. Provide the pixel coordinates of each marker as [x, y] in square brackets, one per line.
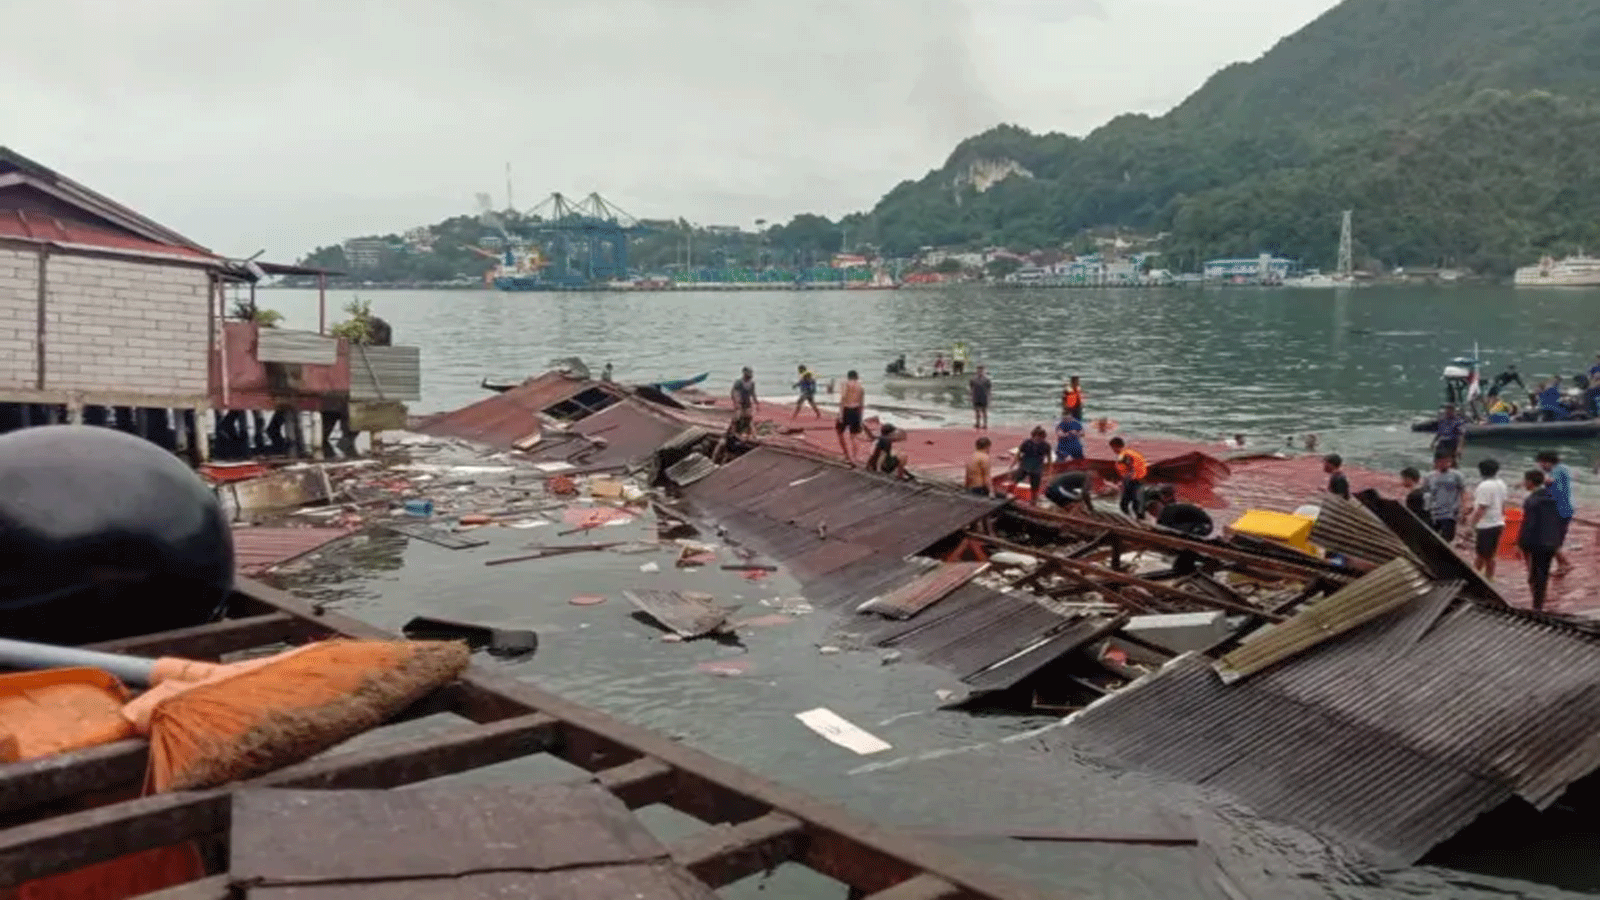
[1574, 271]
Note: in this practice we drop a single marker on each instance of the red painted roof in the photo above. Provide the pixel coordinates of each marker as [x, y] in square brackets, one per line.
[37, 227]
[260, 547]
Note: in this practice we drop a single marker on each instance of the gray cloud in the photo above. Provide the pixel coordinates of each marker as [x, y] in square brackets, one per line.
[286, 123]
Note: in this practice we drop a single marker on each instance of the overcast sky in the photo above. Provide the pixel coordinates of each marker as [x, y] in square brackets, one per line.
[284, 124]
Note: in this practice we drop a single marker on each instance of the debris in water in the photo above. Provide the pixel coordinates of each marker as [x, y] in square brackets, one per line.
[834, 728]
[725, 668]
[828, 650]
[588, 600]
[893, 656]
[764, 621]
[650, 567]
[498, 641]
[690, 615]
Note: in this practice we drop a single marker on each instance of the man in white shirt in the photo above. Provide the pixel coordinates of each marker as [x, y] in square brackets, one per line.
[1488, 516]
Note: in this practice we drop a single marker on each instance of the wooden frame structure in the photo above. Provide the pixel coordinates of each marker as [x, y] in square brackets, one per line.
[753, 825]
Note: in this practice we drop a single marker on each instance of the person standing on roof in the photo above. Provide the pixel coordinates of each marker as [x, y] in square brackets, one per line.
[744, 402]
[978, 481]
[980, 387]
[1072, 399]
[958, 358]
[1069, 438]
[807, 385]
[1131, 470]
[1540, 535]
[1488, 517]
[852, 414]
[1558, 479]
[1416, 498]
[1446, 490]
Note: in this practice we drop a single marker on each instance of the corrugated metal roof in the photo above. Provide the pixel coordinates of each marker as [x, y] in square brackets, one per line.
[258, 548]
[1349, 528]
[818, 516]
[1011, 671]
[385, 373]
[913, 597]
[1388, 751]
[1380, 591]
[505, 418]
[306, 348]
[631, 433]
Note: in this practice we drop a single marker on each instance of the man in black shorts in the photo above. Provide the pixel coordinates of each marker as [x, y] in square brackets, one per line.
[852, 414]
[980, 387]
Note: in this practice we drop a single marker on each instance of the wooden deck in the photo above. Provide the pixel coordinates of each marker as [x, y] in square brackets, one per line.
[751, 825]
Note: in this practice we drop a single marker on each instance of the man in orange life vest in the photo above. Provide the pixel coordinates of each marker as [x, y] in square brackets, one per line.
[1131, 469]
[1072, 399]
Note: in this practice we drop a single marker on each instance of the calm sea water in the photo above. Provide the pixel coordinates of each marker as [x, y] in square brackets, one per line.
[1352, 366]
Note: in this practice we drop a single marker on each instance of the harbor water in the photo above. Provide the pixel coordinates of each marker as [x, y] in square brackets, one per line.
[1352, 366]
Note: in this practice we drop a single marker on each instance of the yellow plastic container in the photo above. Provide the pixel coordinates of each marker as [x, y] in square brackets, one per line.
[1284, 528]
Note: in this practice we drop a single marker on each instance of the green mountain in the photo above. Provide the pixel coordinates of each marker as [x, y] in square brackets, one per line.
[1460, 131]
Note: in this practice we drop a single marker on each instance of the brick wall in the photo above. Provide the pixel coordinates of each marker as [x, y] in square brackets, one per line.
[132, 327]
[19, 308]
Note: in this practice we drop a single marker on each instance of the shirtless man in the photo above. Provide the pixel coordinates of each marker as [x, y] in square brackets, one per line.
[979, 481]
[852, 414]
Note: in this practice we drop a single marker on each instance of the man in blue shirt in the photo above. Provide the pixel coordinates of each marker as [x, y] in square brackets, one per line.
[1591, 393]
[1551, 409]
[1559, 480]
[1069, 438]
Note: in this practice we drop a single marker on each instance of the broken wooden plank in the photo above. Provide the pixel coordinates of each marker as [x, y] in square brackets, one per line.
[685, 614]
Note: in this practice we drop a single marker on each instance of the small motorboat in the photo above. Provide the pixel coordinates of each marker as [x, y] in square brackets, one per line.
[912, 382]
[500, 387]
[680, 383]
[1461, 378]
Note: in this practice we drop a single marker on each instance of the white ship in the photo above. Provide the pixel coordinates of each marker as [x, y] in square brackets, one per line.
[1574, 271]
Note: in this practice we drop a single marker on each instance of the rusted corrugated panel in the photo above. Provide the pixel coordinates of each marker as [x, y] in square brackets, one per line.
[1380, 591]
[301, 348]
[1388, 751]
[385, 373]
[914, 597]
[258, 548]
[1012, 670]
[502, 419]
[812, 496]
[690, 469]
[1348, 528]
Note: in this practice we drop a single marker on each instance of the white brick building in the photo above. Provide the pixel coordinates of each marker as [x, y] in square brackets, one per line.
[99, 306]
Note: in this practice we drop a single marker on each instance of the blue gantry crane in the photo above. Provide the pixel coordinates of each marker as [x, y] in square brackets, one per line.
[578, 244]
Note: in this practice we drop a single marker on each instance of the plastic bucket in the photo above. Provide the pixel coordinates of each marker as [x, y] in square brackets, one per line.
[421, 508]
[1508, 538]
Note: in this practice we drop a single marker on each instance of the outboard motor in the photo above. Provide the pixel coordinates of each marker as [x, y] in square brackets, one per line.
[105, 535]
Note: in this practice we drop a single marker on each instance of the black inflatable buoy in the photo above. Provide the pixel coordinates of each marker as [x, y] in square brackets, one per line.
[105, 535]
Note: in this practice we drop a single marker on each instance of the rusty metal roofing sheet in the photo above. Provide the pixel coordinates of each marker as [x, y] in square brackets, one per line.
[1011, 671]
[913, 597]
[504, 418]
[813, 502]
[1349, 528]
[687, 615]
[630, 431]
[1384, 589]
[258, 548]
[1389, 752]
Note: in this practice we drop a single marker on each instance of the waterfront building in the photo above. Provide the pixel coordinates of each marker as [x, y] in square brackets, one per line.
[1263, 269]
[109, 318]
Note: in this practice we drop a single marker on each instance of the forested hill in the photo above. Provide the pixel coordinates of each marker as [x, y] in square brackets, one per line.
[1462, 132]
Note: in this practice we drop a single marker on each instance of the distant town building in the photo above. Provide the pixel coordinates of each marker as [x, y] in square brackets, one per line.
[1265, 267]
[365, 253]
[420, 239]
